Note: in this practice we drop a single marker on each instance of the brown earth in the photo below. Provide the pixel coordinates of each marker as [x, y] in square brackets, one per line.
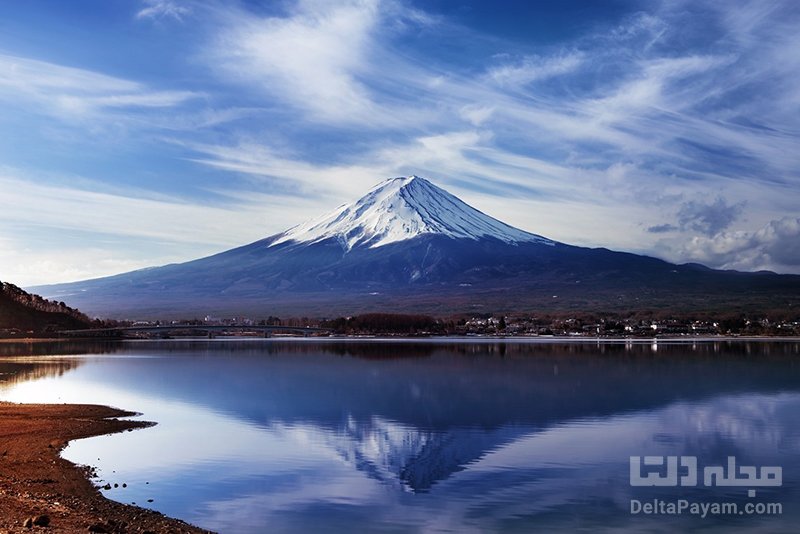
[35, 481]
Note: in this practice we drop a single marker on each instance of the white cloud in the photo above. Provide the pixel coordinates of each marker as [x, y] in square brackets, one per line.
[647, 91]
[709, 218]
[476, 114]
[25, 74]
[69, 92]
[535, 68]
[69, 208]
[26, 264]
[157, 9]
[47, 228]
[311, 59]
[333, 181]
[775, 247]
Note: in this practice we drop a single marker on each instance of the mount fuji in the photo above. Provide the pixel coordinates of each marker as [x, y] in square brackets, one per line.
[401, 209]
[409, 246]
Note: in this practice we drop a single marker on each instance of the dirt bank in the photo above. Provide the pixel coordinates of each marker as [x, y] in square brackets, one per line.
[35, 481]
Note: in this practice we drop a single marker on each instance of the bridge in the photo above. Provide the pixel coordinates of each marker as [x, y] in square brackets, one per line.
[165, 330]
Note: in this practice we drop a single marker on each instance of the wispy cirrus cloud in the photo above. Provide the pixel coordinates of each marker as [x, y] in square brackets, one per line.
[69, 92]
[535, 68]
[85, 230]
[156, 9]
[61, 206]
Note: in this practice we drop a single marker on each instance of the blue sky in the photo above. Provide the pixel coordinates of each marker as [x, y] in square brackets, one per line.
[141, 132]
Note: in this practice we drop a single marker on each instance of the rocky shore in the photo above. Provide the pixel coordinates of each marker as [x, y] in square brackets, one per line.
[40, 491]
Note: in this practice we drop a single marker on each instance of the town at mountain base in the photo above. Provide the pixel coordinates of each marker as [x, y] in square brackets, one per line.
[408, 246]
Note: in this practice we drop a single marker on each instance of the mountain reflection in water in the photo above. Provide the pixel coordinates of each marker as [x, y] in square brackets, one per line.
[498, 435]
[27, 360]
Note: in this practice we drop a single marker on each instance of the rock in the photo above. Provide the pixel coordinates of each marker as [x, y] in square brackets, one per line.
[149, 500]
[28, 523]
[98, 527]
[124, 485]
[116, 485]
[107, 487]
[41, 520]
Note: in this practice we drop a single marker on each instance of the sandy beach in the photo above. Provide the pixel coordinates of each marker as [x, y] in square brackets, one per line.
[38, 487]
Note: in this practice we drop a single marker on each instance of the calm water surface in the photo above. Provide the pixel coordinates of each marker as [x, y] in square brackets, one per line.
[444, 436]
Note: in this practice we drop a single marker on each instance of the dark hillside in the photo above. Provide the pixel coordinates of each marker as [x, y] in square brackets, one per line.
[22, 313]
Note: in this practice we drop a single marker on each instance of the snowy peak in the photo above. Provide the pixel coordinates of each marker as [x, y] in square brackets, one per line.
[403, 208]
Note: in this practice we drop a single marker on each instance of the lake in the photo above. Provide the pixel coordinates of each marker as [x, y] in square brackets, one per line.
[447, 435]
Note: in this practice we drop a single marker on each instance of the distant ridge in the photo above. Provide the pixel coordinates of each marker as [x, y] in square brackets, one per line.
[408, 246]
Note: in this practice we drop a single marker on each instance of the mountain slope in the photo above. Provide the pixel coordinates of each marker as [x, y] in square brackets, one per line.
[408, 245]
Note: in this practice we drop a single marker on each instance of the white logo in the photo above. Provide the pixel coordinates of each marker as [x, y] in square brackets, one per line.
[683, 471]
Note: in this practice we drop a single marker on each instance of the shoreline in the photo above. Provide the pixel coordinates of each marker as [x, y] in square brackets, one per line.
[423, 338]
[480, 339]
[35, 480]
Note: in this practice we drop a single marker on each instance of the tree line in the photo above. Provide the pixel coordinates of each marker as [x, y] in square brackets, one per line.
[35, 302]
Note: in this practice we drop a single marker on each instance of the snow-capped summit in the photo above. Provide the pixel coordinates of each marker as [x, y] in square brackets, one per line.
[399, 209]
